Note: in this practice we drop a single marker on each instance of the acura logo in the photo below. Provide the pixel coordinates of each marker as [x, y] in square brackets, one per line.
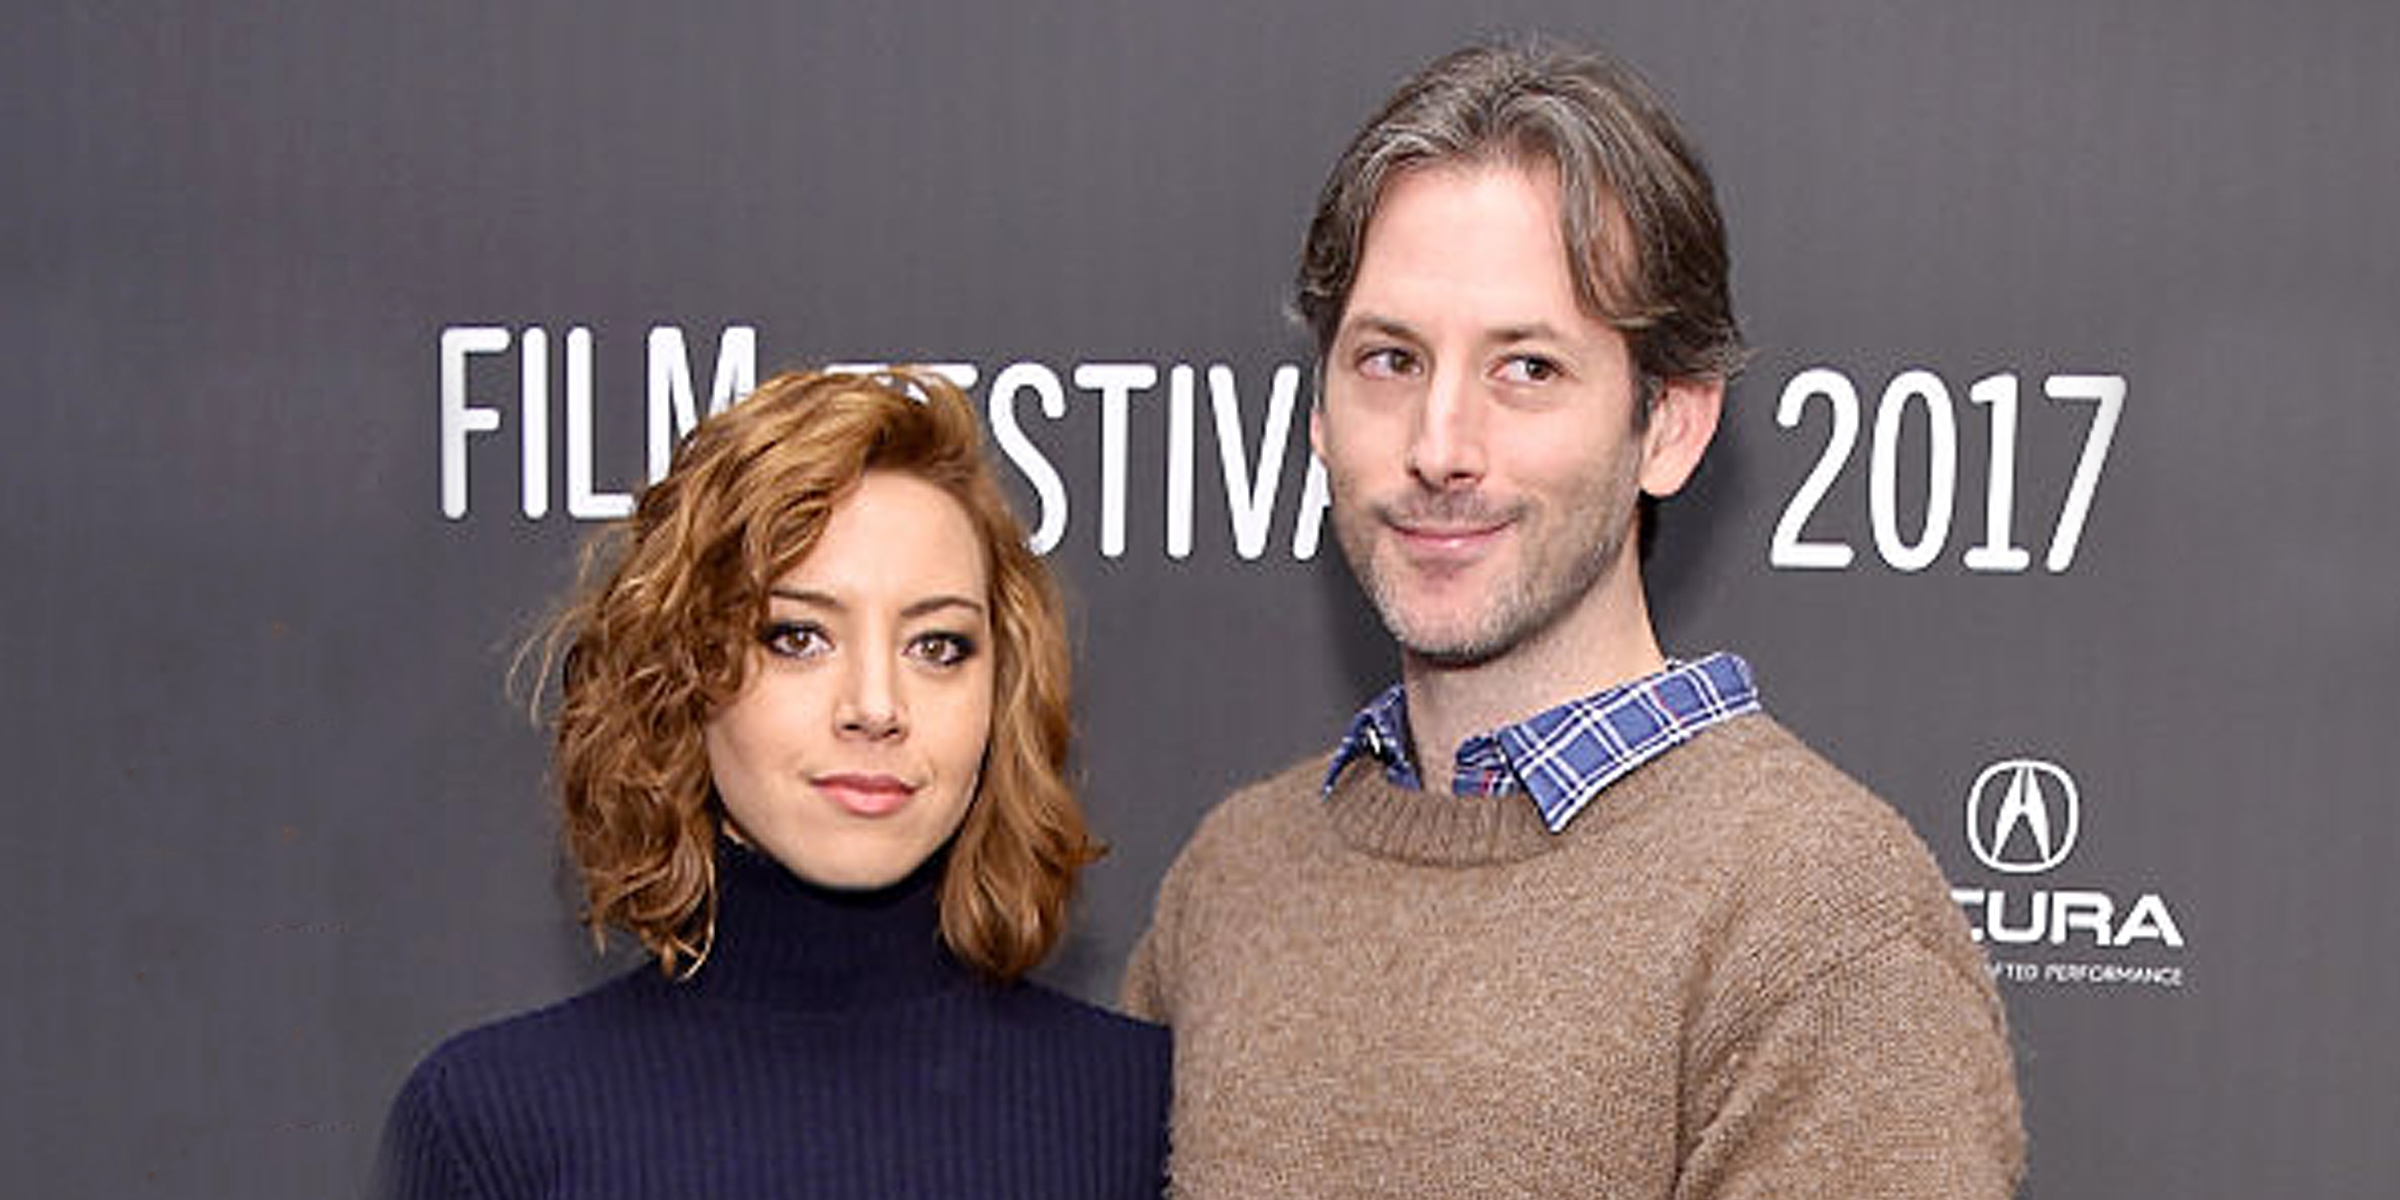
[2022, 815]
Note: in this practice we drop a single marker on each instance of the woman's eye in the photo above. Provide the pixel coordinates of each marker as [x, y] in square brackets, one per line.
[942, 649]
[793, 639]
[1529, 368]
[1387, 362]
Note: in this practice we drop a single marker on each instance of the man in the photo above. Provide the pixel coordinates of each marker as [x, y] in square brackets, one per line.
[1561, 916]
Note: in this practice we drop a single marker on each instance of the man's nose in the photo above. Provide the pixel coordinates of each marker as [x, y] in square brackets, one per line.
[1446, 451]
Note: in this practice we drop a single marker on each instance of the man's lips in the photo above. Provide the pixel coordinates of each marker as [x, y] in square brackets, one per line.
[1448, 534]
[866, 795]
[1444, 542]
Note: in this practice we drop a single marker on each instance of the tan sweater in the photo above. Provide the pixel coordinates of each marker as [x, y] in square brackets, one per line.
[1736, 974]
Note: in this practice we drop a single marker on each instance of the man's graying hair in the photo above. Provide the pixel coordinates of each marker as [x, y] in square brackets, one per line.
[1646, 247]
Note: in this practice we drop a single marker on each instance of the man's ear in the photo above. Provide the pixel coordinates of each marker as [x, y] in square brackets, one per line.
[1316, 427]
[1682, 420]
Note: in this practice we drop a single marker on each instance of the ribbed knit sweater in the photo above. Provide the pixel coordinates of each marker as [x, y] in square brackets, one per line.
[1736, 974]
[829, 1047]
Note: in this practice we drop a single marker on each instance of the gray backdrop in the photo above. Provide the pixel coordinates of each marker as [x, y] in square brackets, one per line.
[275, 826]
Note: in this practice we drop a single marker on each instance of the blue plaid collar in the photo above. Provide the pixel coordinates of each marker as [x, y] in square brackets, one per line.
[1563, 756]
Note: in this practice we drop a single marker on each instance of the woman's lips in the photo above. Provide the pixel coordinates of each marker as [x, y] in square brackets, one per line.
[866, 795]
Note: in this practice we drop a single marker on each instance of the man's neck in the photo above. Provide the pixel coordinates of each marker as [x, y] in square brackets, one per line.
[1607, 642]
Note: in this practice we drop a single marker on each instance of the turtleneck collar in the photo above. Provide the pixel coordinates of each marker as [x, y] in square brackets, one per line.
[785, 942]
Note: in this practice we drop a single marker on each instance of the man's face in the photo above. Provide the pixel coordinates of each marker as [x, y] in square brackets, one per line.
[1478, 426]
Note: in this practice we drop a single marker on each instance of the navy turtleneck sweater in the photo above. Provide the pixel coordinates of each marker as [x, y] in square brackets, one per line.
[829, 1047]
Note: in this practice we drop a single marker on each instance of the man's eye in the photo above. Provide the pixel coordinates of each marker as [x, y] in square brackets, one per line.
[1529, 368]
[942, 649]
[1386, 362]
[793, 639]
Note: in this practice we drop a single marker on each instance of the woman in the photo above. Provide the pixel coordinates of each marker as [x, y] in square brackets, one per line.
[810, 751]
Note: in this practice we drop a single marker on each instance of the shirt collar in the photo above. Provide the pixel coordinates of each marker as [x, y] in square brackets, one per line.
[1563, 757]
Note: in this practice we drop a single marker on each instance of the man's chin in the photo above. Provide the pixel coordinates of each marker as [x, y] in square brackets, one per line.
[1451, 646]
[1454, 658]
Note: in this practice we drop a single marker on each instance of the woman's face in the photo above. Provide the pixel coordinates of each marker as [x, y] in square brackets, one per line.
[852, 750]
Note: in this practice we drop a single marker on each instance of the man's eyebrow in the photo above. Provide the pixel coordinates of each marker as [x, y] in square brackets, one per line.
[1531, 331]
[1367, 322]
[1523, 331]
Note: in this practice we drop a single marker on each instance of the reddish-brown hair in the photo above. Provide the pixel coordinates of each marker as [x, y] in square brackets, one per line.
[657, 640]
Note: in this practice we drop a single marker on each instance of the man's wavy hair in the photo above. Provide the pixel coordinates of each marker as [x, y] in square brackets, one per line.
[1645, 241]
[658, 639]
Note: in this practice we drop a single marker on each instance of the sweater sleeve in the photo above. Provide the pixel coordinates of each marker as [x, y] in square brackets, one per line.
[1148, 983]
[1886, 1075]
[419, 1157]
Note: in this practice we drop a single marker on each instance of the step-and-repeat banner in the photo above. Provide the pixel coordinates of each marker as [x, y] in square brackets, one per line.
[2054, 505]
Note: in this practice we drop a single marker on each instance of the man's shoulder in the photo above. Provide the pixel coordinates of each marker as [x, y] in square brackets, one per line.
[1753, 783]
[1271, 805]
[1258, 830]
[1800, 845]
[1819, 887]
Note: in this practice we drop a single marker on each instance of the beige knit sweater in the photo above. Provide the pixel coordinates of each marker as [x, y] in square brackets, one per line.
[1736, 974]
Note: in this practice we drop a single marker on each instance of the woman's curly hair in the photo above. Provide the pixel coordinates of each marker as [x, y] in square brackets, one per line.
[657, 640]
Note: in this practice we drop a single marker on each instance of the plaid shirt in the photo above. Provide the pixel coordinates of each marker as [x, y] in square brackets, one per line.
[1564, 756]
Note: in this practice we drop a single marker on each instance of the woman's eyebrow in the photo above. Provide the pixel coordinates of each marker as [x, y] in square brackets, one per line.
[937, 603]
[817, 599]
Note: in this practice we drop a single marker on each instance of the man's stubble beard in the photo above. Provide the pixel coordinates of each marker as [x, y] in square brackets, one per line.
[1556, 568]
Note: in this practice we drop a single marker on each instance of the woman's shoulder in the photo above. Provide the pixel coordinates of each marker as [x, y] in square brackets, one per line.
[560, 1030]
[1081, 1018]
[483, 1099]
[1078, 1032]
[1076, 1065]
